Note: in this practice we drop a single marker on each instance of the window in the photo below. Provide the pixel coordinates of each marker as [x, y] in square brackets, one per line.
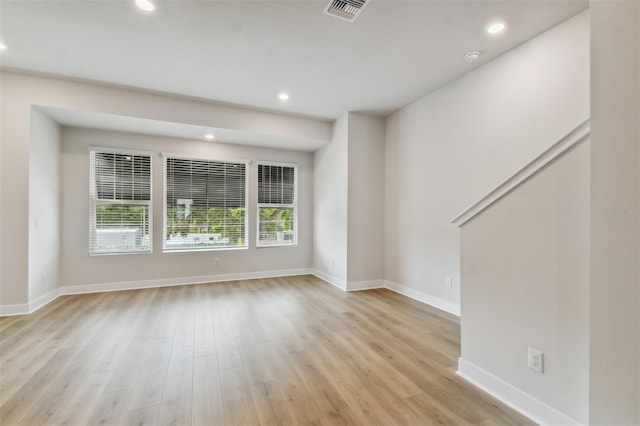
[277, 205]
[205, 205]
[119, 202]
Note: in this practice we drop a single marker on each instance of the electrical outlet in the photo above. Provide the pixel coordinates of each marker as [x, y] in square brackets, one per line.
[536, 360]
[333, 263]
[216, 261]
[448, 282]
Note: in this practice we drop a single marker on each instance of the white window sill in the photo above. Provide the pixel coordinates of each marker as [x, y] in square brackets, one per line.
[276, 245]
[114, 253]
[194, 250]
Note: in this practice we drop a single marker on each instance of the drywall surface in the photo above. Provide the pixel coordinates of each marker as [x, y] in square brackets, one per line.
[44, 205]
[615, 211]
[366, 198]
[20, 92]
[78, 268]
[330, 205]
[525, 274]
[450, 148]
[14, 196]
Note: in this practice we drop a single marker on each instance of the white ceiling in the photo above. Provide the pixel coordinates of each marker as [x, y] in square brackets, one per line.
[245, 52]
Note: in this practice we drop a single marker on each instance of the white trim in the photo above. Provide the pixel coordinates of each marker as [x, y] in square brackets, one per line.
[336, 282]
[276, 163]
[203, 158]
[123, 151]
[203, 248]
[31, 307]
[24, 309]
[247, 166]
[436, 302]
[168, 282]
[420, 296]
[520, 401]
[11, 310]
[260, 205]
[43, 300]
[365, 285]
[94, 202]
[578, 134]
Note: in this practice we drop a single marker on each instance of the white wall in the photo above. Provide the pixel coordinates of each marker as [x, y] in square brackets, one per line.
[20, 92]
[451, 147]
[597, 383]
[14, 196]
[330, 205]
[525, 275]
[44, 205]
[78, 268]
[615, 213]
[366, 200]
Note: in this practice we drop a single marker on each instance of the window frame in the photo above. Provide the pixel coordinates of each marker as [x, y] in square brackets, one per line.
[94, 202]
[267, 205]
[165, 157]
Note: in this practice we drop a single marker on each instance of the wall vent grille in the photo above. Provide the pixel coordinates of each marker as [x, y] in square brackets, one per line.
[345, 9]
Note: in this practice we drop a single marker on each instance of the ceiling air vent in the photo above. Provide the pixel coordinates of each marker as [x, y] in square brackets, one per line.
[345, 9]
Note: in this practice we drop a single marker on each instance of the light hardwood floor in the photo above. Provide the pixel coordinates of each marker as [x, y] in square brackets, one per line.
[273, 351]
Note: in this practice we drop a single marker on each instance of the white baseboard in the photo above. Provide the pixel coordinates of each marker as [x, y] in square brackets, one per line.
[347, 286]
[11, 310]
[32, 306]
[520, 401]
[45, 299]
[365, 285]
[24, 309]
[336, 282]
[436, 302]
[168, 282]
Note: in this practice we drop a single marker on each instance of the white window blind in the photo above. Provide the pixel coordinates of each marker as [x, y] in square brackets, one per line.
[205, 204]
[119, 203]
[277, 205]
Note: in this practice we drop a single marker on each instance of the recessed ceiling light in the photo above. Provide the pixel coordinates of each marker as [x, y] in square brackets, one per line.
[283, 96]
[210, 136]
[145, 5]
[3, 46]
[496, 28]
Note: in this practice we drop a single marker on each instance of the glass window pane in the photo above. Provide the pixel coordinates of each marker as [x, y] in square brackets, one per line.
[120, 203]
[205, 205]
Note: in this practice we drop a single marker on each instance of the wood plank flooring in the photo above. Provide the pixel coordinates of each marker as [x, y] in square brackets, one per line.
[279, 351]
